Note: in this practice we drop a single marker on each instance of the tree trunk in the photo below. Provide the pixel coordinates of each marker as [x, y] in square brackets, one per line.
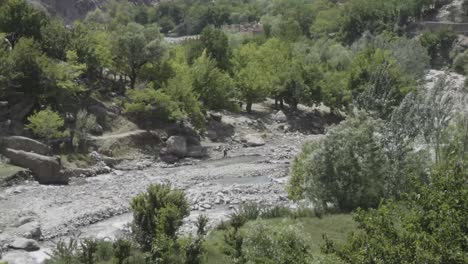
[132, 81]
[294, 104]
[281, 103]
[249, 107]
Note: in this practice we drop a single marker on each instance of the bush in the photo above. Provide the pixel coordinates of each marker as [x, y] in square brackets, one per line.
[156, 213]
[275, 244]
[47, 124]
[347, 169]
[84, 124]
[428, 226]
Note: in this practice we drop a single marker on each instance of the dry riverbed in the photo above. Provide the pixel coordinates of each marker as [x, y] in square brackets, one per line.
[99, 206]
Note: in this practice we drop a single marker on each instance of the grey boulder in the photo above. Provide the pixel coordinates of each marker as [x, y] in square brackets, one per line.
[177, 146]
[46, 169]
[26, 144]
[253, 140]
[280, 117]
[30, 230]
[25, 244]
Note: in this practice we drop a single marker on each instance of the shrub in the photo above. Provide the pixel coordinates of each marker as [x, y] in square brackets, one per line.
[347, 169]
[275, 244]
[158, 212]
[428, 226]
[84, 124]
[47, 124]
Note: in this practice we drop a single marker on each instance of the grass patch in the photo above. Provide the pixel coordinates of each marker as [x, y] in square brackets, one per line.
[336, 227]
[8, 172]
[76, 160]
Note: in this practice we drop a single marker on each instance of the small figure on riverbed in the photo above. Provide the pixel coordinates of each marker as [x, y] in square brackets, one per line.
[225, 151]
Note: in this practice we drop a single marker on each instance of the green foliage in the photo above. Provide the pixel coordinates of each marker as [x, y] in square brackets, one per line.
[215, 43]
[84, 124]
[347, 169]
[22, 69]
[55, 39]
[428, 226]
[175, 101]
[377, 83]
[378, 16]
[214, 86]
[296, 184]
[47, 124]
[92, 251]
[252, 79]
[136, 45]
[438, 44]
[279, 244]
[158, 214]
[19, 19]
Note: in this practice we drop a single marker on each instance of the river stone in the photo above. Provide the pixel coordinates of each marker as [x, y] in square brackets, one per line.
[177, 145]
[30, 230]
[25, 244]
[26, 144]
[280, 117]
[253, 140]
[46, 169]
[206, 206]
[216, 117]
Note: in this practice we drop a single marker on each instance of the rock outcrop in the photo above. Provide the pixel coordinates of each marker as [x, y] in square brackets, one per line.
[25, 144]
[46, 169]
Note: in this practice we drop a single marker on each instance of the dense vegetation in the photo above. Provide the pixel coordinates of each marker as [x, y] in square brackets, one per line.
[302, 57]
[398, 160]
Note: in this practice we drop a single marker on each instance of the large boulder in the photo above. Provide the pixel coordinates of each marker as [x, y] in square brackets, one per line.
[46, 169]
[25, 244]
[26, 144]
[30, 230]
[253, 140]
[177, 146]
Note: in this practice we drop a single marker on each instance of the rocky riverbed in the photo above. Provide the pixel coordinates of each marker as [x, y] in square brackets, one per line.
[99, 206]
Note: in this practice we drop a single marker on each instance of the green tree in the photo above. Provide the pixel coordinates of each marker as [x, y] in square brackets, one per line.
[377, 83]
[47, 124]
[252, 80]
[55, 39]
[19, 19]
[216, 45]
[22, 69]
[158, 213]
[136, 45]
[428, 226]
[214, 86]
